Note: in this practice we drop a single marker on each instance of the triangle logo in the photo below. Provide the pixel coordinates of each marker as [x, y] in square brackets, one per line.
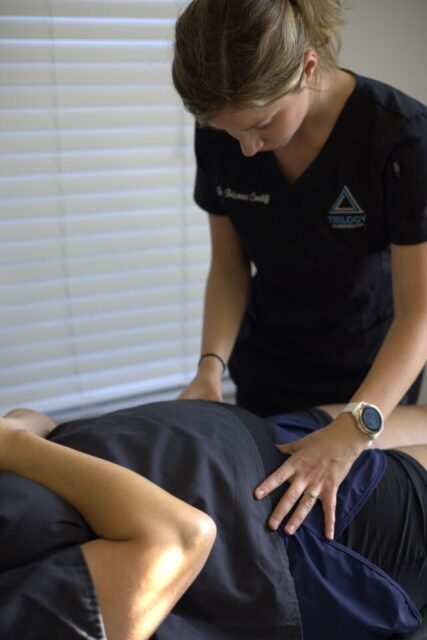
[346, 203]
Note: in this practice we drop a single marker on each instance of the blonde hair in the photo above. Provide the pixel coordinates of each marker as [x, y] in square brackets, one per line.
[247, 53]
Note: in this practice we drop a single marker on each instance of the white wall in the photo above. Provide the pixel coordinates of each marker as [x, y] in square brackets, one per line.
[386, 40]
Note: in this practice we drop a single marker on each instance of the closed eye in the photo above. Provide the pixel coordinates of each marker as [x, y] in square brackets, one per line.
[262, 127]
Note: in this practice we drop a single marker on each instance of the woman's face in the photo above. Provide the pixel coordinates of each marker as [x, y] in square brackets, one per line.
[265, 128]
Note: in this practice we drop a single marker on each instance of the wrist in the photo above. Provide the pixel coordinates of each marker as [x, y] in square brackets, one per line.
[211, 364]
[210, 373]
[357, 440]
[367, 418]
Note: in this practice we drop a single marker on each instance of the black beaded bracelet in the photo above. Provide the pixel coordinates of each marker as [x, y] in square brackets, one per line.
[214, 355]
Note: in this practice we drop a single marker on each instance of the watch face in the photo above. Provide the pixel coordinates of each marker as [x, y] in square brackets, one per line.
[372, 419]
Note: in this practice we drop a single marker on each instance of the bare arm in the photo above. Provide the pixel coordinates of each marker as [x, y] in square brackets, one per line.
[405, 426]
[151, 545]
[226, 297]
[405, 429]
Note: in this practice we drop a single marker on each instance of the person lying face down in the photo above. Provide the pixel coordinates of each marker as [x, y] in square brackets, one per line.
[91, 549]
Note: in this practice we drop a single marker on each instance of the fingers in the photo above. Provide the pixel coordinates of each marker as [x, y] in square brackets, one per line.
[329, 507]
[307, 471]
[296, 496]
[301, 499]
[274, 480]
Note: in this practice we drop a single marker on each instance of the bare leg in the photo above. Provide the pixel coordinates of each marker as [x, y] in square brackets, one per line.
[151, 545]
[405, 426]
[419, 452]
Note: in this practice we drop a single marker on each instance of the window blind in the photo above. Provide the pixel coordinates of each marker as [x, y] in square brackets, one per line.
[103, 253]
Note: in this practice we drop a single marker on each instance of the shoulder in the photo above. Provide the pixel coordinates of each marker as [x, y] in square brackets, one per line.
[379, 119]
[387, 99]
[389, 109]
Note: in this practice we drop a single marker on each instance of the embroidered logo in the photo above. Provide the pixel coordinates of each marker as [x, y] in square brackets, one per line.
[263, 198]
[346, 212]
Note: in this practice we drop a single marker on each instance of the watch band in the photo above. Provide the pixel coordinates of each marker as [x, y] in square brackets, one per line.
[349, 408]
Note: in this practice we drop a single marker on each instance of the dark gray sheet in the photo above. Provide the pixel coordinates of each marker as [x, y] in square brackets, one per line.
[199, 451]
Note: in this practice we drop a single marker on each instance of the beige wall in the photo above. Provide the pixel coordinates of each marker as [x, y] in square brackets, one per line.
[386, 39]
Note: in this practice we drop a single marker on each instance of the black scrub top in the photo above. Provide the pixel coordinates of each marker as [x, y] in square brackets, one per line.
[210, 455]
[321, 300]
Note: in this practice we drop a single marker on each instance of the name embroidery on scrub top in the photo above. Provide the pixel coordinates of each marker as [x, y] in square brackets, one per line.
[263, 198]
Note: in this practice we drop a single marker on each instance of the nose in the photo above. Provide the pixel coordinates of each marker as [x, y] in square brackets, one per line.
[250, 144]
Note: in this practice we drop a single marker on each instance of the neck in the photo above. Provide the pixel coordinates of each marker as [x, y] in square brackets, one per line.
[328, 96]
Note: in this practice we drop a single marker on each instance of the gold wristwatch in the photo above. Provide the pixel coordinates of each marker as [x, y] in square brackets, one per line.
[368, 418]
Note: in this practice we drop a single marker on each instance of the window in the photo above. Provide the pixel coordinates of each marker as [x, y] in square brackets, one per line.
[103, 253]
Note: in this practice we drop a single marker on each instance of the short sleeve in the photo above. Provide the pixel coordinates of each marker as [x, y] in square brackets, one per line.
[27, 506]
[205, 194]
[52, 598]
[46, 590]
[405, 185]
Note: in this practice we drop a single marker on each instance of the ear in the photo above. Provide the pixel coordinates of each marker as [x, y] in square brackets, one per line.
[311, 62]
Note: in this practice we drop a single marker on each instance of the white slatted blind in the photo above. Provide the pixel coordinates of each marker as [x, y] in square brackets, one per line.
[103, 253]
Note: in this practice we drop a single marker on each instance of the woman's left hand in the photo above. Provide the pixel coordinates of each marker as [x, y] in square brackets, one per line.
[318, 463]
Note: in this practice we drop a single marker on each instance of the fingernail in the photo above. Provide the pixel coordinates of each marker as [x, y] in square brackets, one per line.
[260, 494]
[274, 524]
[290, 529]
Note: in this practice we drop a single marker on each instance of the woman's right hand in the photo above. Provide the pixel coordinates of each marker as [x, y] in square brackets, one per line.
[206, 385]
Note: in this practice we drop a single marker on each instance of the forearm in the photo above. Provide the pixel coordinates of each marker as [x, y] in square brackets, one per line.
[226, 298]
[398, 363]
[405, 426]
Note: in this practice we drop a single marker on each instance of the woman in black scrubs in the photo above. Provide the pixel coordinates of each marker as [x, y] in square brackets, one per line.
[316, 177]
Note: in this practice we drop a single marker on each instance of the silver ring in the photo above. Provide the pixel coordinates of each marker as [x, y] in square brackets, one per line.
[312, 494]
